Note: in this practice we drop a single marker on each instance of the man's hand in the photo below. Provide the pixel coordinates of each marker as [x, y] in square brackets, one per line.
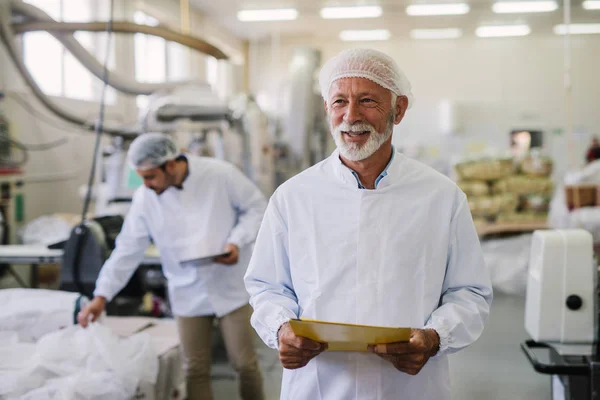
[296, 351]
[232, 258]
[411, 356]
[93, 309]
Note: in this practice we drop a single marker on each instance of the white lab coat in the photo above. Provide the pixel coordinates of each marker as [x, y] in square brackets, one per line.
[217, 205]
[403, 255]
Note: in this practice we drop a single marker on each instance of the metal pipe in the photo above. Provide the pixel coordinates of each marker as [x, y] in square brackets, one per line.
[123, 27]
[120, 83]
[7, 37]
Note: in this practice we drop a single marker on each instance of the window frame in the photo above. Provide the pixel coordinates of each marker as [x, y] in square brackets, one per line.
[92, 94]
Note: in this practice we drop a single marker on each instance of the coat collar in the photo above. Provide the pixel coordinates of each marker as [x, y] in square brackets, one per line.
[346, 175]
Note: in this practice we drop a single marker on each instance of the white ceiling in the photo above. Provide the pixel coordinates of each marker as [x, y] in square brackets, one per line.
[394, 17]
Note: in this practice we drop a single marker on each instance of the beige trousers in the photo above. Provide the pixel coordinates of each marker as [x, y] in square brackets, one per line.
[195, 334]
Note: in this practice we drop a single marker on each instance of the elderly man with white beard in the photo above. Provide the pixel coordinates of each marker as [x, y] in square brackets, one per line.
[369, 237]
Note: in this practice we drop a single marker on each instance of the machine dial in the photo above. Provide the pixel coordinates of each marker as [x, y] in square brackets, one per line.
[574, 302]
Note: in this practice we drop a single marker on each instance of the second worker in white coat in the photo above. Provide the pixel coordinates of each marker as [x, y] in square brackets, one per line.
[368, 237]
[192, 207]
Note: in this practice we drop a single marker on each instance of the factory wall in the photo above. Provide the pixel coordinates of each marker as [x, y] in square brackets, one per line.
[483, 88]
[54, 178]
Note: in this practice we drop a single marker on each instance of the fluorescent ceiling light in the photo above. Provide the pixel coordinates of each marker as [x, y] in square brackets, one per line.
[577, 29]
[448, 33]
[351, 12]
[591, 5]
[511, 7]
[281, 14]
[503, 31]
[438, 9]
[377, 34]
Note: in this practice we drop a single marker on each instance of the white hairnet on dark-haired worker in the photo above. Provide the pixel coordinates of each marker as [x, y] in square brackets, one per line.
[193, 208]
[368, 237]
[151, 151]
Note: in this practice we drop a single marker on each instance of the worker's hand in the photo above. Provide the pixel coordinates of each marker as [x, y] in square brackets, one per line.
[232, 258]
[94, 309]
[296, 351]
[411, 356]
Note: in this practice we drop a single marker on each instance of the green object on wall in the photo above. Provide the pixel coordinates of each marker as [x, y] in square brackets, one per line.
[134, 181]
[19, 207]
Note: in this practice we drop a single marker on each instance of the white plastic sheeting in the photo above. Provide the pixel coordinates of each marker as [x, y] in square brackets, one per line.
[76, 364]
[507, 260]
[31, 313]
[45, 230]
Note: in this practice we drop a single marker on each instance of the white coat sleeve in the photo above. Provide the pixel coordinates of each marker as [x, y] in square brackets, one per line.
[130, 246]
[249, 203]
[268, 279]
[467, 291]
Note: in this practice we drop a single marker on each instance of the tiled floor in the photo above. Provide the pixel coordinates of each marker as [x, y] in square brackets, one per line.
[492, 368]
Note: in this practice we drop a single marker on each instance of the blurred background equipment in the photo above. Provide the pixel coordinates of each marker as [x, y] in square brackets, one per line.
[561, 312]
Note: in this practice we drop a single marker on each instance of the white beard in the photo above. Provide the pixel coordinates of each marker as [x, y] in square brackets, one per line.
[355, 152]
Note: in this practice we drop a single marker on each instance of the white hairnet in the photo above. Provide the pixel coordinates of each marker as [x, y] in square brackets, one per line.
[369, 64]
[151, 150]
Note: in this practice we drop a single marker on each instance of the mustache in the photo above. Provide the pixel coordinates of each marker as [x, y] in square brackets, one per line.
[360, 127]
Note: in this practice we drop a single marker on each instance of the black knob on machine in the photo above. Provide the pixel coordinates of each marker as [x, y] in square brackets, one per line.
[574, 302]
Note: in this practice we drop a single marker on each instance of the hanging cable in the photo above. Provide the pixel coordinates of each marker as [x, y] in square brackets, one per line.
[100, 122]
[82, 232]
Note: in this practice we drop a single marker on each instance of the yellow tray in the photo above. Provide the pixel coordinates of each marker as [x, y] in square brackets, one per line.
[348, 337]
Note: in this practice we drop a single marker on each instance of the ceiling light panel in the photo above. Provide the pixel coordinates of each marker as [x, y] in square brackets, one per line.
[438, 9]
[351, 12]
[447, 33]
[503, 31]
[577, 29]
[365, 35]
[518, 7]
[591, 5]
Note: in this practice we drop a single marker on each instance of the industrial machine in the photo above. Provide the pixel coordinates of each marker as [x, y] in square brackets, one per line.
[561, 312]
[85, 251]
[89, 244]
[202, 124]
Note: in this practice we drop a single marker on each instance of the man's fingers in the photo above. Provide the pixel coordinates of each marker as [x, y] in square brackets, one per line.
[294, 352]
[228, 260]
[410, 367]
[307, 344]
[82, 318]
[293, 365]
[286, 350]
[394, 348]
[413, 358]
[290, 359]
[295, 361]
